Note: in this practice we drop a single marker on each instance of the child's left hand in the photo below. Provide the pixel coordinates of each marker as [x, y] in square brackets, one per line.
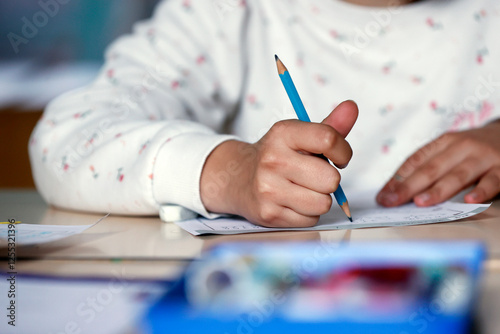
[446, 166]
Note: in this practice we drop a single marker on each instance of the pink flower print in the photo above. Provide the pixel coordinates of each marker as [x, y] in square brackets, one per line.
[478, 16]
[386, 109]
[119, 175]
[82, 115]
[386, 146]
[320, 79]
[485, 111]
[110, 74]
[92, 139]
[51, 122]
[480, 55]
[386, 69]
[64, 164]
[200, 60]
[460, 118]
[417, 79]
[337, 36]
[186, 4]
[433, 24]
[44, 154]
[436, 108]
[143, 147]
[151, 176]
[253, 101]
[92, 170]
[151, 34]
[175, 84]
[118, 135]
[300, 60]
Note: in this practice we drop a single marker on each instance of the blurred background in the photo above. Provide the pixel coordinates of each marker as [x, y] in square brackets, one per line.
[46, 48]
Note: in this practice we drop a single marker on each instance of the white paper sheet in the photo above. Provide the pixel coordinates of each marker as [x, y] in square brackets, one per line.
[365, 213]
[30, 234]
[54, 306]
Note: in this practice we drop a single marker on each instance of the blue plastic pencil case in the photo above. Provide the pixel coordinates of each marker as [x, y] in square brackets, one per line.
[401, 288]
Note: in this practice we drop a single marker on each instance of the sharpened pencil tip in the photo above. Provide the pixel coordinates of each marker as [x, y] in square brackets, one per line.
[350, 219]
[276, 57]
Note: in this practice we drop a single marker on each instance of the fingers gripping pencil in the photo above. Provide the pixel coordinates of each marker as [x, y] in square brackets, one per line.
[301, 112]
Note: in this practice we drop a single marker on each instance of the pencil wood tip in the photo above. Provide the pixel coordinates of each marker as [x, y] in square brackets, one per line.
[279, 64]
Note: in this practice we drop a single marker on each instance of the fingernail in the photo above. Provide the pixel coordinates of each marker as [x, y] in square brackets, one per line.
[422, 198]
[472, 197]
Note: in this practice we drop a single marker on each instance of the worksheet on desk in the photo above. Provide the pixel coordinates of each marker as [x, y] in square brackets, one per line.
[365, 213]
[20, 234]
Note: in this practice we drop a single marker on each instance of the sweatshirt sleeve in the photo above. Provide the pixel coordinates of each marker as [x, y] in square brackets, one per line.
[138, 136]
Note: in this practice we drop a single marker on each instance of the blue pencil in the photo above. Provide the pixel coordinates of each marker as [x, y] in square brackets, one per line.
[298, 106]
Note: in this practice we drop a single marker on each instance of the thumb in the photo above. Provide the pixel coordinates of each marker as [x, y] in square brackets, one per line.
[343, 117]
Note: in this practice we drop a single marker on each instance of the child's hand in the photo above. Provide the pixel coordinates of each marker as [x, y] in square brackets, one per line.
[447, 165]
[278, 182]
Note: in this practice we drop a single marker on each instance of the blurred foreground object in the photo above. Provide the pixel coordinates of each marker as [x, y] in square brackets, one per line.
[296, 288]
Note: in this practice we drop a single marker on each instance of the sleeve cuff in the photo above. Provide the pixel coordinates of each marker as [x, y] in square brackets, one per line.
[177, 170]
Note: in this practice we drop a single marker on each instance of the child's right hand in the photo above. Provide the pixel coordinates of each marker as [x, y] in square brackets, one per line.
[278, 181]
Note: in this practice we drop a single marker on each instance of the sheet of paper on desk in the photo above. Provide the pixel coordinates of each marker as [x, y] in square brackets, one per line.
[30, 234]
[365, 213]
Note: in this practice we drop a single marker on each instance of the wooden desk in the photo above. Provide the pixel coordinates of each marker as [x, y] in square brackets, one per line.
[148, 248]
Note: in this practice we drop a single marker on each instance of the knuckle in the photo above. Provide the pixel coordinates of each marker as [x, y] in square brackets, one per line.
[328, 138]
[269, 158]
[461, 175]
[405, 170]
[403, 190]
[278, 127]
[267, 214]
[431, 171]
[333, 179]
[263, 188]
[437, 192]
[324, 204]
[417, 158]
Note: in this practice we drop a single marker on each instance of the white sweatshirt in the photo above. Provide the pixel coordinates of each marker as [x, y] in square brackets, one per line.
[138, 136]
